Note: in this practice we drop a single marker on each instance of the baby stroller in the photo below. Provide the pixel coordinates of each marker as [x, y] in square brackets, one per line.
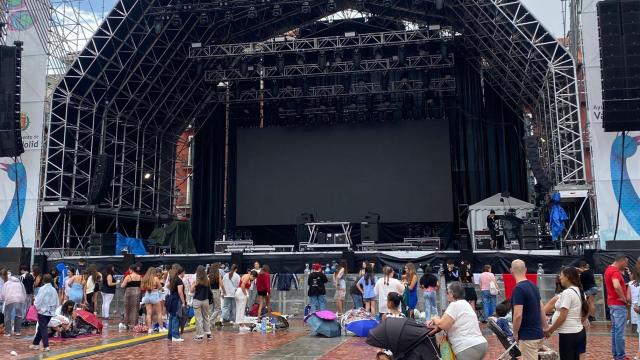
[405, 338]
[510, 346]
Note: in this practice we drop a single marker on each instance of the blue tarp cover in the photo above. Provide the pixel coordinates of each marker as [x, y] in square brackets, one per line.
[135, 246]
[557, 217]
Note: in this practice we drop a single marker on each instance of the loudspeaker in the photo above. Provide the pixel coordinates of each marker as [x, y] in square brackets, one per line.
[619, 28]
[102, 244]
[623, 245]
[369, 232]
[10, 129]
[350, 257]
[12, 258]
[463, 242]
[321, 238]
[41, 261]
[237, 258]
[535, 162]
[302, 232]
[101, 179]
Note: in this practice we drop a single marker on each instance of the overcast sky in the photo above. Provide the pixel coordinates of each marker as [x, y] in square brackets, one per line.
[549, 13]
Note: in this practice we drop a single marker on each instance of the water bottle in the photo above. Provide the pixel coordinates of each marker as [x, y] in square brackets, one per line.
[273, 325]
[263, 325]
[327, 269]
[306, 269]
[540, 270]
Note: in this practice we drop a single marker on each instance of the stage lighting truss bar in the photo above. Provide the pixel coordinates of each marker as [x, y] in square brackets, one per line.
[330, 43]
[257, 72]
[443, 85]
[188, 8]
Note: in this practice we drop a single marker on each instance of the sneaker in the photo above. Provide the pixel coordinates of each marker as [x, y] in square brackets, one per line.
[7, 334]
[34, 347]
[18, 334]
[45, 349]
[209, 337]
[244, 328]
[122, 326]
[150, 331]
[177, 339]
[162, 329]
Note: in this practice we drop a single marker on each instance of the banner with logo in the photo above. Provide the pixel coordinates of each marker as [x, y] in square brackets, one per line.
[20, 178]
[616, 159]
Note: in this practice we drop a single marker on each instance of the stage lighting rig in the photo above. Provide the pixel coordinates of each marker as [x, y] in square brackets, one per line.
[331, 6]
[359, 4]
[322, 60]
[280, 63]
[300, 59]
[176, 20]
[157, 24]
[228, 16]
[357, 57]
[339, 55]
[386, 3]
[203, 19]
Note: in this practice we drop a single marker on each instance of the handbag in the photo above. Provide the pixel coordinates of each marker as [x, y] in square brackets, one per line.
[446, 351]
[32, 314]
[493, 289]
[190, 312]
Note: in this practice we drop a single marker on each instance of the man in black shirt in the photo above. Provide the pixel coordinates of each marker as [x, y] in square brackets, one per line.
[491, 225]
[317, 292]
[28, 281]
[589, 285]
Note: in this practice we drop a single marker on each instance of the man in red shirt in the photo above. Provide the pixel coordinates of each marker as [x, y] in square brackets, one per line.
[617, 301]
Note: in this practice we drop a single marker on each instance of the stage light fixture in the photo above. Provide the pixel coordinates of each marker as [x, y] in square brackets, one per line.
[338, 56]
[244, 67]
[359, 4]
[331, 6]
[228, 16]
[377, 53]
[439, 4]
[277, 11]
[147, 176]
[402, 57]
[203, 19]
[357, 57]
[444, 50]
[306, 8]
[300, 59]
[386, 3]
[176, 20]
[253, 13]
[280, 63]
[322, 60]
[157, 25]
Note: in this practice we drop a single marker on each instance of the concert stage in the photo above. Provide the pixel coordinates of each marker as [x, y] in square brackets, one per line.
[294, 262]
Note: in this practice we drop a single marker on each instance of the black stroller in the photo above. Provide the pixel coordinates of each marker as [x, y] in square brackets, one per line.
[405, 338]
[511, 347]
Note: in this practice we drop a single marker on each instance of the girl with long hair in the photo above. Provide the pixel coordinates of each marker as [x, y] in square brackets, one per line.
[150, 285]
[177, 301]
[108, 289]
[201, 291]
[386, 285]
[76, 286]
[263, 288]
[366, 286]
[92, 279]
[341, 286]
[571, 311]
[131, 285]
[411, 283]
[242, 293]
[214, 283]
[230, 283]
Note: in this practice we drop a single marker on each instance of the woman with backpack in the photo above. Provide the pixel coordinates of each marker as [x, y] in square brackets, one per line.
[571, 311]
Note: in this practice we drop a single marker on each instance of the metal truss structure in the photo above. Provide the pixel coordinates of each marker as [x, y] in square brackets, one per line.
[134, 88]
[282, 45]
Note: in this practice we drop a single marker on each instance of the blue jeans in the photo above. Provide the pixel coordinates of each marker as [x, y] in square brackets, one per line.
[430, 307]
[488, 303]
[357, 301]
[618, 321]
[174, 326]
[317, 303]
[229, 309]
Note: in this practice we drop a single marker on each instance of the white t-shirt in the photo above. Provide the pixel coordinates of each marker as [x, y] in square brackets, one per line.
[465, 331]
[230, 285]
[570, 300]
[382, 290]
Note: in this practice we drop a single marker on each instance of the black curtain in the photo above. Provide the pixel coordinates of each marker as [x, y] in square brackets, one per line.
[486, 152]
[207, 220]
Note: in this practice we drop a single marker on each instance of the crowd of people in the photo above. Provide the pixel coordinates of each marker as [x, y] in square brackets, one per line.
[217, 294]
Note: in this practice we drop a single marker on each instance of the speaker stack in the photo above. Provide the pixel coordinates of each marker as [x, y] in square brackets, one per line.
[102, 244]
[10, 129]
[302, 231]
[535, 162]
[619, 26]
[369, 229]
[101, 179]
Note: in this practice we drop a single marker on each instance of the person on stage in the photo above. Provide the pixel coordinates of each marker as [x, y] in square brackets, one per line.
[493, 232]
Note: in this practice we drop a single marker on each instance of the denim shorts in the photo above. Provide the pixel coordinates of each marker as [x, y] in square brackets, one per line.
[591, 292]
[151, 297]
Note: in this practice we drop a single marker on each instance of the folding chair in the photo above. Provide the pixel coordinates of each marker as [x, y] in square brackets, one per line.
[511, 348]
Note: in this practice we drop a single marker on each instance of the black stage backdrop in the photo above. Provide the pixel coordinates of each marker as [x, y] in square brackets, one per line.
[486, 158]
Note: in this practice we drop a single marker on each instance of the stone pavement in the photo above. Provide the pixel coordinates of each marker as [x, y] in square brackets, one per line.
[291, 344]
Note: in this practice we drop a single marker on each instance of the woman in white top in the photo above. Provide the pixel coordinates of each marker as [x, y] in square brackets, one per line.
[230, 282]
[461, 324]
[384, 286]
[571, 311]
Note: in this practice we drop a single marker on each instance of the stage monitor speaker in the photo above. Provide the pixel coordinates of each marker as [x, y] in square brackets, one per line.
[340, 239]
[321, 238]
[464, 242]
[12, 258]
[369, 232]
[10, 115]
[101, 179]
[619, 27]
[483, 242]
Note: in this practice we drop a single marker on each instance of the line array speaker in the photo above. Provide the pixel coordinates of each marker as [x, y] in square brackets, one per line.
[101, 179]
[535, 162]
[10, 129]
[619, 26]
